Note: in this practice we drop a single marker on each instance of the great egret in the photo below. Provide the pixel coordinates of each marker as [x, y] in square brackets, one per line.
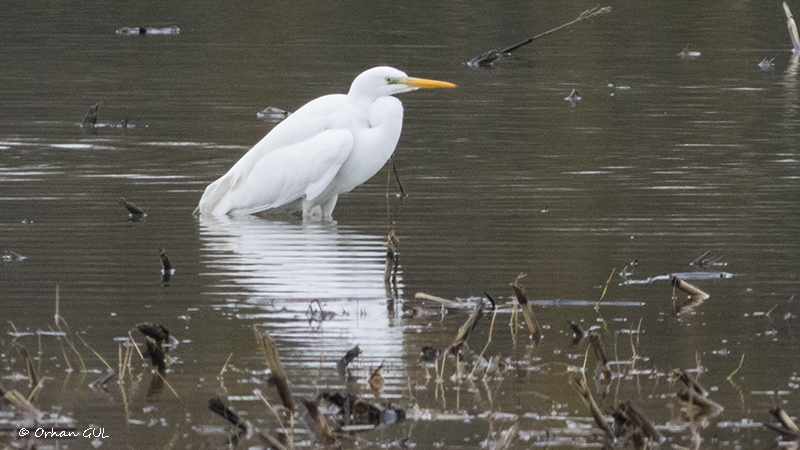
[328, 147]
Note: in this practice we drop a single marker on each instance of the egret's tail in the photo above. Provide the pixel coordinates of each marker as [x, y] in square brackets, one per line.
[213, 195]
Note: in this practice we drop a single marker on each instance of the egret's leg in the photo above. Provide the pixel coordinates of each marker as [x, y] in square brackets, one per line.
[327, 208]
[311, 211]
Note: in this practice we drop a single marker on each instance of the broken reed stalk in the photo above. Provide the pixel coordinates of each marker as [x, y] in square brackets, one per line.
[218, 407]
[156, 353]
[506, 438]
[527, 312]
[21, 402]
[600, 355]
[690, 289]
[323, 431]
[788, 428]
[639, 421]
[33, 380]
[579, 383]
[278, 376]
[466, 329]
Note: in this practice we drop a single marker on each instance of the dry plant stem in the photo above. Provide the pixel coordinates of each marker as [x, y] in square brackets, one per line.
[489, 341]
[95, 353]
[175, 393]
[287, 432]
[605, 289]
[579, 383]
[397, 177]
[58, 320]
[741, 361]
[222, 374]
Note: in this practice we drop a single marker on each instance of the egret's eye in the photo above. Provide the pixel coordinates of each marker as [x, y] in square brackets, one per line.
[388, 80]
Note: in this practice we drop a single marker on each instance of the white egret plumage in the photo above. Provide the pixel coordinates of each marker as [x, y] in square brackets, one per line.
[326, 148]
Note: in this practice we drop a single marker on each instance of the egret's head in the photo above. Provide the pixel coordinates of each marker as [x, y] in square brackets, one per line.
[380, 81]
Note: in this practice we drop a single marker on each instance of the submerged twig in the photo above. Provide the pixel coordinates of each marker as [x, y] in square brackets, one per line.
[489, 57]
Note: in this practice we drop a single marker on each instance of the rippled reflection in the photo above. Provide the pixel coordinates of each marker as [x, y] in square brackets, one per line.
[293, 260]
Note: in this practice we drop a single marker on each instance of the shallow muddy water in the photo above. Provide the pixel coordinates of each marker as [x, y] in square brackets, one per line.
[662, 159]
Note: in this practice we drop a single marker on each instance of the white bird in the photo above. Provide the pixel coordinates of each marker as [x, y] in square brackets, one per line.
[326, 148]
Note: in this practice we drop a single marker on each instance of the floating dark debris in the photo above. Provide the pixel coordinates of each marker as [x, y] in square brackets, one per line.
[149, 30]
[134, 212]
[273, 114]
[428, 354]
[355, 414]
[90, 119]
[155, 331]
[703, 260]
[9, 256]
[573, 97]
[579, 333]
[688, 54]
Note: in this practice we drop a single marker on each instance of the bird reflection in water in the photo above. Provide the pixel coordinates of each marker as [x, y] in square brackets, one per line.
[269, 260]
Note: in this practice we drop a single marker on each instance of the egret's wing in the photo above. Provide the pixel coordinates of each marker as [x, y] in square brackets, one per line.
[310, 120]
[305, 124]
[285, 174]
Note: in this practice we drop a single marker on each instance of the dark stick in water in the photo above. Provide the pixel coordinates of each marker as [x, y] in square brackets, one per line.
[489, 57]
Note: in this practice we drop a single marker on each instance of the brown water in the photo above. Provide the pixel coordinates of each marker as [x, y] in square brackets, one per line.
[662, 159]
